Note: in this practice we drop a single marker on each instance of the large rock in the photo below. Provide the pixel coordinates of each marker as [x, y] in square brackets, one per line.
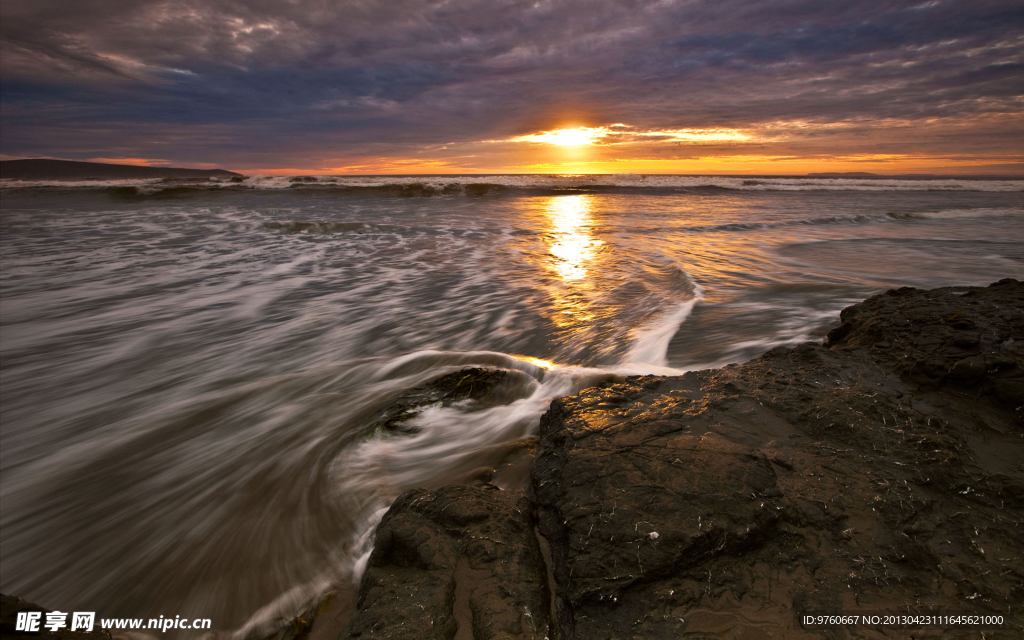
[882, 472]
[959, 339]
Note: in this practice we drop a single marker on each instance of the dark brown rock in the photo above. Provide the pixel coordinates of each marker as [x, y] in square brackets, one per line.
[461, 560]
[882, 472]
[958, 339]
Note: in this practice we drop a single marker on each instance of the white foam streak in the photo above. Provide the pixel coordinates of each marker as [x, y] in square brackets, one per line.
[349, 563]
[277, 613]
[448, 438]
[428, 359]
[651, 341]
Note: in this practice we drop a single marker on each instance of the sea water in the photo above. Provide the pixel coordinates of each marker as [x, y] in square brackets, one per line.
[189, 370]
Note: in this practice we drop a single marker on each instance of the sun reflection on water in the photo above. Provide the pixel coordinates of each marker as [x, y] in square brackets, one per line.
[570, 240]
[537, 362]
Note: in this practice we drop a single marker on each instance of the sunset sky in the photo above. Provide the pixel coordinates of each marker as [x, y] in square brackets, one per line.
[482, 86]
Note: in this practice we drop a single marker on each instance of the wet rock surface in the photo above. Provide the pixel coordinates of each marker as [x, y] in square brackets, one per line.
[472, 383]
[881, 472]
[461, 562]
[958, 339]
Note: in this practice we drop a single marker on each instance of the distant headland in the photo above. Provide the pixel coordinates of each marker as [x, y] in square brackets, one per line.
[42, 169]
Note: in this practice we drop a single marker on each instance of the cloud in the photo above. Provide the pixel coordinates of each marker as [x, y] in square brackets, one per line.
[625, 134]
[240, 82]
[139, 162]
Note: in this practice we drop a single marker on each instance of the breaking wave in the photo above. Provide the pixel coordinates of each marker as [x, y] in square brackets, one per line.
[481, 185]
[864, 218]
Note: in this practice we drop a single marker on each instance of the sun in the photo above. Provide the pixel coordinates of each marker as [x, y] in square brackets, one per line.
[580, 136]
[571, 137]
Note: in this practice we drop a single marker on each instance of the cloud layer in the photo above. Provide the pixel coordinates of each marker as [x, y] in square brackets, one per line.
[318, 85]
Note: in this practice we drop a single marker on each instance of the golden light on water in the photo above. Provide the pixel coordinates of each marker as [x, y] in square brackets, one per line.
[570, 242]
[537, 362]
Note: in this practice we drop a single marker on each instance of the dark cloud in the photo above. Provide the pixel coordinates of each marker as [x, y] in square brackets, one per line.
[270, 83]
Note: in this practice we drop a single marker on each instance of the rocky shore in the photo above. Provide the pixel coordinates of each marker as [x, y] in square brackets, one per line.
[881, 472]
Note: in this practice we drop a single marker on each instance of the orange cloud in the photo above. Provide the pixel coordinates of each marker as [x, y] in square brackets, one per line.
[626, 134]
[769, 164]
[139, 162]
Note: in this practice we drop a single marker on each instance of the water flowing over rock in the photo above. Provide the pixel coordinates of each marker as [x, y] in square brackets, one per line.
[879, 472]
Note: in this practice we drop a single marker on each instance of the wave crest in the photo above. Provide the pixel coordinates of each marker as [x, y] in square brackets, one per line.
[480, 185]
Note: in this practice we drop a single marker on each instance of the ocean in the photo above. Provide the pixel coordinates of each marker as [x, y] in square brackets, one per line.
[190, 370]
